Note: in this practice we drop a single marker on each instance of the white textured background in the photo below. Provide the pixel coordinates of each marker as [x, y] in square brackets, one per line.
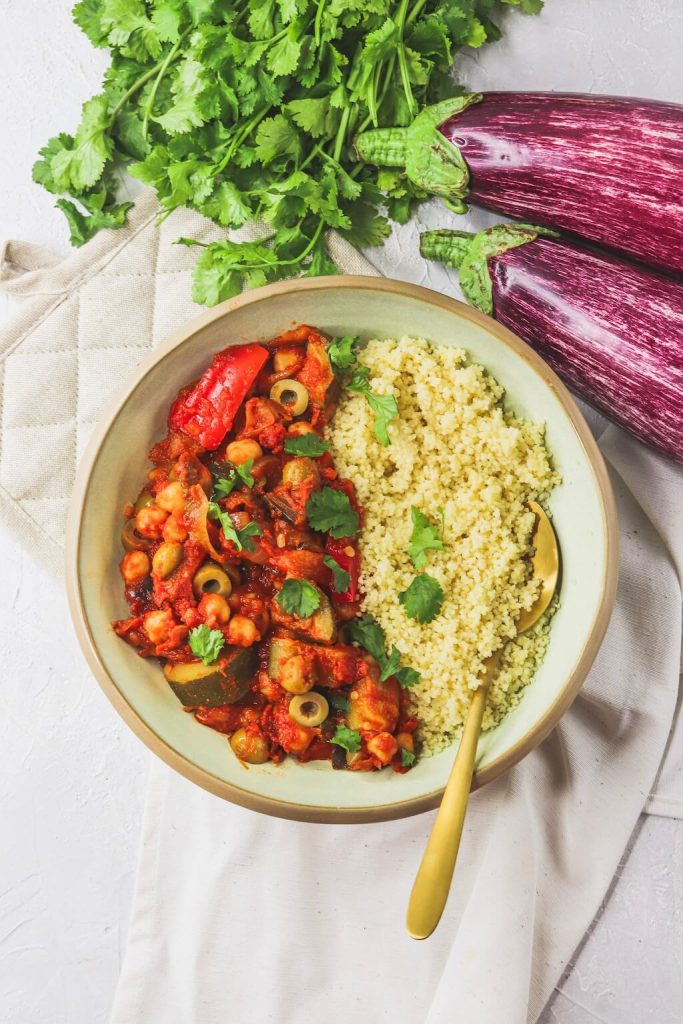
[72, 778]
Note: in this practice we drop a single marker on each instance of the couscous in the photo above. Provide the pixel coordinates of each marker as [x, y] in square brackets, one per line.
[469, 467]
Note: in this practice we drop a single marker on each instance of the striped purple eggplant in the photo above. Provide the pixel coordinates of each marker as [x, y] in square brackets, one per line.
[606, 169]
[613, 330]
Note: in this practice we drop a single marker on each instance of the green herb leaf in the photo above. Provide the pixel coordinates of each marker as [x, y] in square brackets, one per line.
[408, 677]
[368, 633]
[240, 538]
[277, 138]
[309, 445]
[423, 598]
[83, 226]
[338, 702]
[407, 758]
[206, 643]
[81, 166]
[223, 486]
[342, 352]
[329, 511]
[340, 577]
[425, 537]
[385, 407]
[347, 738]
[299, 597]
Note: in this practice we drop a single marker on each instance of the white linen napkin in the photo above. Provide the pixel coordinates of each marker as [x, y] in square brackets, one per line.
[240, 917]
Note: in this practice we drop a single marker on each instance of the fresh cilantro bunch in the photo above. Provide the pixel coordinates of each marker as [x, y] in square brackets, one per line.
[245, 109]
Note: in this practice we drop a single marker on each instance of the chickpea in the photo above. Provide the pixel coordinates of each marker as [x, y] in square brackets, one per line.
[242, 632]
[158, 625]
[214, 608]
[175, 530]
[298, 471]
[405, 741]
[135, 566]
[293, 677]
[171, 498]
[239, 452]
[167, 558]
[299, 428]
[150, 521]
[251, 746]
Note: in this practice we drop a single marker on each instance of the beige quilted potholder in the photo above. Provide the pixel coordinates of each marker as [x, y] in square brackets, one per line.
[84, 324]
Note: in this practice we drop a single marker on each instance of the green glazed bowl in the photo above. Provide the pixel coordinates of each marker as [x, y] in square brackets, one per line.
[116, 459]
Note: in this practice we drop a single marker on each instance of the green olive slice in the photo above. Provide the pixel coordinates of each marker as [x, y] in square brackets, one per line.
[291, 394]
[309, 709]
[143, 499]
[211, 579]
[167, 558]
[131, 539]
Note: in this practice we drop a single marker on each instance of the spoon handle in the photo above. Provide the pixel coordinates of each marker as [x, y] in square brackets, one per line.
[433, 880]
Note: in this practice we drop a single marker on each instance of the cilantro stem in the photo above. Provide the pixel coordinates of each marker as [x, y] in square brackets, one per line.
[388, 74]
[317, 31]
[170, 57]
[341, 134]
[415, 11]
[142, 80]
[402, 62]
[137, 84]
[241, 136]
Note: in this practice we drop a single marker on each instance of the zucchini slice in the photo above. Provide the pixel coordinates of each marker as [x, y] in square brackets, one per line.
[210, 686]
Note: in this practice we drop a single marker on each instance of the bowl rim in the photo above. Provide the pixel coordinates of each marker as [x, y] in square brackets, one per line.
[290, 809]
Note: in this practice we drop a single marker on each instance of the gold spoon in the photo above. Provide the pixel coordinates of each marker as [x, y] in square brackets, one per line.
[433, 881]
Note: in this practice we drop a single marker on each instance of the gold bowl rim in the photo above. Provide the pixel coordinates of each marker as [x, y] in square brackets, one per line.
[323, 814]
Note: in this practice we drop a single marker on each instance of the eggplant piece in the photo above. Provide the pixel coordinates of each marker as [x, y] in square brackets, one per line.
[604, 168]
[321, 627]
[226, 681]
[613, 330]
[279, 506]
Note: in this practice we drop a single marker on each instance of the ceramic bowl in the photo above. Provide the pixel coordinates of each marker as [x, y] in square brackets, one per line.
[116, 460]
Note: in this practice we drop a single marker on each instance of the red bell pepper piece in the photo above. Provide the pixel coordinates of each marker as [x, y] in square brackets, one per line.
[347, 556]
[207, 412]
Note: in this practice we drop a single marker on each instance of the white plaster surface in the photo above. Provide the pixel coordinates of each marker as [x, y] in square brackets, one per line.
[72, 777]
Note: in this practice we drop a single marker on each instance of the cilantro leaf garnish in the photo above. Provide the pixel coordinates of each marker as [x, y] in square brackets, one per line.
[225, 485]
[206, 643]
[347, 738]
[407, 758]
[340, 577]
[425, 537]
[239, 537]
[342, 352]
[338, 702]
[385, 407]
[423, 598]
[407, 677]
[329, 511]
[306, 444]
[368, 633]
[299, 597]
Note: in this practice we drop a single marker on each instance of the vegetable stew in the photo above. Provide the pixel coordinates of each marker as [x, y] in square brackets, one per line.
[241, 566]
